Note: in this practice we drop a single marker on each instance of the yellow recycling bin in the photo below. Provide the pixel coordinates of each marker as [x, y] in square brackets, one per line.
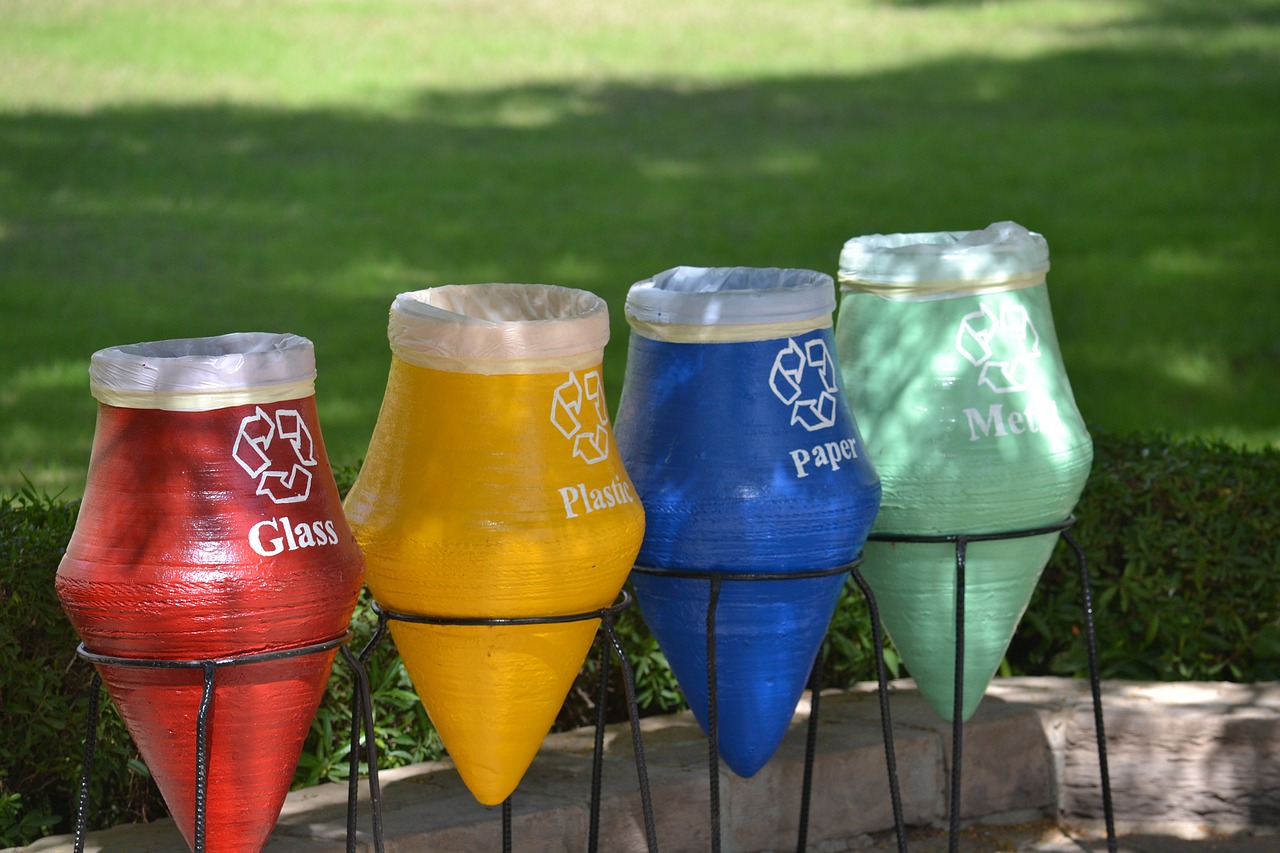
[492, 491]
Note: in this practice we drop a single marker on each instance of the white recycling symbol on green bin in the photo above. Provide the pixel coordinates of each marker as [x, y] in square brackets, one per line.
[804, 379]
[1003, 345]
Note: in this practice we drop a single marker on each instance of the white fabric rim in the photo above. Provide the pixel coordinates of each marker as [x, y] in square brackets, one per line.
[692, 334]
[202, 374]
[499, 366]
[940, 288]
[730, 296]
[934, 265]
[498, 328]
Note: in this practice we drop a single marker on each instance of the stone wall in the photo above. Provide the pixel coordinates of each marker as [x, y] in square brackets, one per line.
[1187, 759]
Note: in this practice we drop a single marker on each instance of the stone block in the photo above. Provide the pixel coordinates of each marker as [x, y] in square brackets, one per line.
[1006, 763]
[1186, 760]
[1194, 756]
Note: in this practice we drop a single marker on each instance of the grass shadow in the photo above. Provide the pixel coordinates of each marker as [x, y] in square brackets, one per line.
[1150, 172]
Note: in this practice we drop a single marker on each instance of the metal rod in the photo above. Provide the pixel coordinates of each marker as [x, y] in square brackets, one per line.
[353, 757]
[962, 541]
[713, 713]
[86, 768]
[629, 685]
[706, 574]
[379, 632]
[606, 616]
[886, 723]
[624, 601]
[202, 755]
[597, 756]
[957, 699]
[810, 749]
[371, 743]
[1095, 685]
[201, 663]
[716, 578]
[362, 713]
[918, 538]
[506, 825]
[209, 668]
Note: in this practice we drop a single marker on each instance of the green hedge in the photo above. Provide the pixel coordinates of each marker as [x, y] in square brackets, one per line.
[44, 692]
[1183, 547]
[1182, 540]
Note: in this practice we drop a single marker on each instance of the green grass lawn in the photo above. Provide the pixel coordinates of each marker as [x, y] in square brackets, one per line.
[173, 168]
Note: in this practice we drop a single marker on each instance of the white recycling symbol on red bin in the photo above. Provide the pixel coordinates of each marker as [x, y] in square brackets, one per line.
[579, 412]
[278, 453]
[794, 368]
[1003, 346]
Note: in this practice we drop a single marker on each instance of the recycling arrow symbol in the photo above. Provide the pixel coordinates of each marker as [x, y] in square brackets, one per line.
[804, 379]
[579, 412]
[278, 452]
[1004, 346]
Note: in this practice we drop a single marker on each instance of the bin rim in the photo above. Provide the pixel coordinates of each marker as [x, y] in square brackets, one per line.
[489, 324]
[204, 373]
[1002, 256]
[730, 296]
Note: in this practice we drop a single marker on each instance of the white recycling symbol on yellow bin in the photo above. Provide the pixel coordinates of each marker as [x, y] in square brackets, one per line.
[1003, 346]
[281, 468]
[792, 369]
[579, 412]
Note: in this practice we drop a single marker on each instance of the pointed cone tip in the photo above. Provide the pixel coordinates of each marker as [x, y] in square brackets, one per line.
[493, 692]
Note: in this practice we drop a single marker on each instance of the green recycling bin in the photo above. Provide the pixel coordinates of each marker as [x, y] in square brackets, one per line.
[951, 365]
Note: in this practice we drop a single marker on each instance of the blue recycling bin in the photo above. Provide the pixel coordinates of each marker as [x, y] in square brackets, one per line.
[733, 425]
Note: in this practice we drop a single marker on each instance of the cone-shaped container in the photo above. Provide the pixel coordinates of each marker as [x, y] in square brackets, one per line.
[948, 352]
[734, 427]
[492, 490]
[211, 528]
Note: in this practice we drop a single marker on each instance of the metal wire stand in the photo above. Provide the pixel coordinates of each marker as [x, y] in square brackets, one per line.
[961, 542]
[607, 617]
[209, 668]
[716, 580]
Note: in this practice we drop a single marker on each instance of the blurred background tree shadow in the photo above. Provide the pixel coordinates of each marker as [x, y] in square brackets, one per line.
[172, 170]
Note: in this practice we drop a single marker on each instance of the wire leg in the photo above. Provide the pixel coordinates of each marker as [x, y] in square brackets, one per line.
[371, 743]
[362, 713]
[713, 715]
[637, 745]
[209, 669]
[810, 748]
[957, 708]
[597, 758]
[202, 755]
[86, 768]
[506, 825]
[886, 723]
[362, 710]
[353, 765]
[1095, 685]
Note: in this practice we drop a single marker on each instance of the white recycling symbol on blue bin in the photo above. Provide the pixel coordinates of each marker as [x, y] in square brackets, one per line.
[1004, 346]
[578, 400]
[804, 379]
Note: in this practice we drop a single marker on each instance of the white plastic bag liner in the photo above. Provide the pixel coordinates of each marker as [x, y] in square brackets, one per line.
[709, 304]
[499, 328]
[202, 374]
[942, 264]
